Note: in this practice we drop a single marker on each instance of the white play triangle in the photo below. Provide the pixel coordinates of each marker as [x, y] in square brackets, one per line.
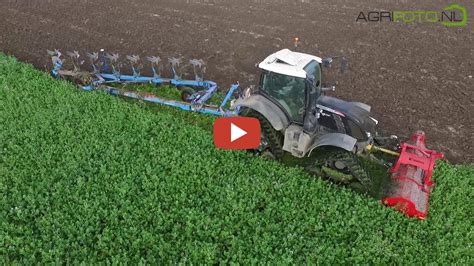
[236, 132]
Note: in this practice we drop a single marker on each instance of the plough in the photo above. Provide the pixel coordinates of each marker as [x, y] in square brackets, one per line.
[300, 124]
[194, 93]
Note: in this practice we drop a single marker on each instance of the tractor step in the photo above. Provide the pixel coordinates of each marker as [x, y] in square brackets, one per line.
[411, 177]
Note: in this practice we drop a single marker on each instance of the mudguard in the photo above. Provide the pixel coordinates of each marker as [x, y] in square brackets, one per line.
[340, 140]
[267, 108]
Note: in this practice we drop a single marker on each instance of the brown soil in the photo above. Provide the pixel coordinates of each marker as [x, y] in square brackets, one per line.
[417, 76]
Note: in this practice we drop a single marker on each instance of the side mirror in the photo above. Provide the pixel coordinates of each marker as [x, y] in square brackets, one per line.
[327, 61]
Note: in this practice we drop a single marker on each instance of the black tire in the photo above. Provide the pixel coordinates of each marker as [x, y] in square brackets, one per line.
[272, 136]
[186, 92]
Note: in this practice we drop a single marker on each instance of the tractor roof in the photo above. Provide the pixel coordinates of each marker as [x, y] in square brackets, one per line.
[287, 62]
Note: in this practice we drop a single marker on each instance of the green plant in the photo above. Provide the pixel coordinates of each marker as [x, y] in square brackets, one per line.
[86, 177]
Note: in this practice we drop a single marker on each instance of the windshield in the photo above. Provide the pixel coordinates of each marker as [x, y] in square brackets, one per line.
[288, 91]
[313, 71]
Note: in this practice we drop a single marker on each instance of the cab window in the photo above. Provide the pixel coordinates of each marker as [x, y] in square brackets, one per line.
[288, 91]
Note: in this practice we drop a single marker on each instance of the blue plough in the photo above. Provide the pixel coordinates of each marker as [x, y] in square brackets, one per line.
[106, 72]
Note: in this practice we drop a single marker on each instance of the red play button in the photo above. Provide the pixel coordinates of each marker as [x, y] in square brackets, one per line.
[237, 133]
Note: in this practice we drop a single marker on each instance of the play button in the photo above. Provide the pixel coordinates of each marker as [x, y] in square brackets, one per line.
[236, 132]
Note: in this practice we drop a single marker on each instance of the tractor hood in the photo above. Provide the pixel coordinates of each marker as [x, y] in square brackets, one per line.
[357, 112]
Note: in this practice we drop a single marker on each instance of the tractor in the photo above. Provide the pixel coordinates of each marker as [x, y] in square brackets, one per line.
[299, 120]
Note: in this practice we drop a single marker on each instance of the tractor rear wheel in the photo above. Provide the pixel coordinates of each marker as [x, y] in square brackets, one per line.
[341, 167]
[271, 140]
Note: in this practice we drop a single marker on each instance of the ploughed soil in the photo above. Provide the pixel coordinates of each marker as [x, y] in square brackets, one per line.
[415, 76]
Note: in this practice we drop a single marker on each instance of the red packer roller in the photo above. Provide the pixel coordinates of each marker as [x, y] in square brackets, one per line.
[411, 177]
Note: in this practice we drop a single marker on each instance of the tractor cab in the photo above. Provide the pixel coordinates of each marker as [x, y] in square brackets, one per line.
[288, 78]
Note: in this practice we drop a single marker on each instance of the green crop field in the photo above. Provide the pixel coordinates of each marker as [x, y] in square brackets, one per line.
[89, 177]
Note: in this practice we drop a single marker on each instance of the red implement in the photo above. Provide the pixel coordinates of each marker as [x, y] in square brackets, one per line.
[411, 177]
